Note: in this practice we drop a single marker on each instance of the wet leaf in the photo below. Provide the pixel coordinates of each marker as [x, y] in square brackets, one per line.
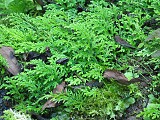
[62, 61]
[122, 42]
[31, 55]
[40, 2]
[35, 55]
[13, 66]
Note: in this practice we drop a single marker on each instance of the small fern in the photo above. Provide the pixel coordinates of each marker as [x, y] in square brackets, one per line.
[85, 38]
[15, 115]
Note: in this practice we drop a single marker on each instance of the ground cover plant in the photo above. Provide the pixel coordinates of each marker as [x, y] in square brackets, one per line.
[83, 60]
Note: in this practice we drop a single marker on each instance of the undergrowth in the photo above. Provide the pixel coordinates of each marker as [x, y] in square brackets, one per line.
[86, 39]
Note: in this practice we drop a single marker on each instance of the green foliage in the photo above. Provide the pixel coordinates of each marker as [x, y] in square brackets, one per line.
[67, 4]
[104, 102]
[97, 102]
[152, 110]
[86, 38]
[18, 6]
[8, 115]
[14, 115]
[34, 83]
[153, 46]
[3, 63]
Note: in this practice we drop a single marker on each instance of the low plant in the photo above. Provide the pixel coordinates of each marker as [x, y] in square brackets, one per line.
[87, 40]
[15, 115]
[15, 6]
[152, 110]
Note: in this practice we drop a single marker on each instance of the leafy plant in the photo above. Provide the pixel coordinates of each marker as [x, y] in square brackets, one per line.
[14, 115]
[104, 102]
[152, 110]
[15, 6]
[87, 40]
[2, 64]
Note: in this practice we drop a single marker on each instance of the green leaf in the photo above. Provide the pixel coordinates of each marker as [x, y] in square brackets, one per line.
[140, 45]
[38, 7]
[7, 2]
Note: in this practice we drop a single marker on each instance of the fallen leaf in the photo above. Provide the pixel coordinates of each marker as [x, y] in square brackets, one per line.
[35, 55]
[62, 61]
[13, 66]
[30, 56]
[116, 75]
[50, 103]
[59, 88]
[122, 42]
[119, 77]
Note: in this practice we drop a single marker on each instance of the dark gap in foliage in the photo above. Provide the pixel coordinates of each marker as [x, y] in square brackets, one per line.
[152, 23]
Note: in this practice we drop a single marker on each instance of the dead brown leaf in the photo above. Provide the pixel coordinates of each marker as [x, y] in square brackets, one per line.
[59, 89]
[49, 104]
[8, 54]
[119, 77]
[122, 42]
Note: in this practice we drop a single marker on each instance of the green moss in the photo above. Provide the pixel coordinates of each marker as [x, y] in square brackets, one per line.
[86, 38]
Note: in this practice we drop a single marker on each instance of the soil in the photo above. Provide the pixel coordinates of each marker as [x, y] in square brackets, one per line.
[4, 104]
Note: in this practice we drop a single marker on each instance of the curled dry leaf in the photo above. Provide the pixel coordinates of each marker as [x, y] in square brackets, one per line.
[13, 66]
[59, 89]
[49, 104]
[119, 77]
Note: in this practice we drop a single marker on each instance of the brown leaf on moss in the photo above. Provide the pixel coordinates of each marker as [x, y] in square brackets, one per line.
[119, 77]
[122, 42]
[60, 88]
[62, 61]
[35, 55]
[13, 66]
[50, 103]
